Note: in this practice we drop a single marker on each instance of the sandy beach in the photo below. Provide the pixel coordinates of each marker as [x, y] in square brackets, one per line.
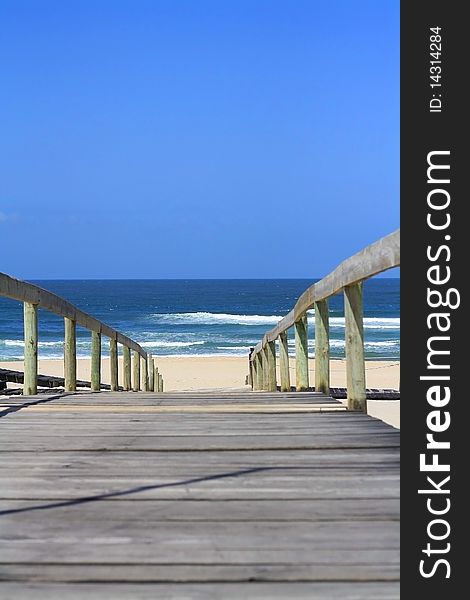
[202, 372]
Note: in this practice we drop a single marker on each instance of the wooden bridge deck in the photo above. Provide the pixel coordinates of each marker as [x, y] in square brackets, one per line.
[224, 495]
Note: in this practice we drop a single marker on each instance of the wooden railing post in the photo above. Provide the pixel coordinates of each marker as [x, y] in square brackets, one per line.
[113, 364]
[259, 371]
[70, 355]
[126, 368]
[156, 380]
[322, 347]
[160, 382]
[301, 354]
[145, 375]
[250, 368]
[136, 359]
[355, 364]
[30, 382]
[151, 372]
[95, 361]
[271, 366]
[284, 361]
[254, 374]
[264, 362]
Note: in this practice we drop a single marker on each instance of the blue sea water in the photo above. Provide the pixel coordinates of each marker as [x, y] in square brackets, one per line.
[200, 317]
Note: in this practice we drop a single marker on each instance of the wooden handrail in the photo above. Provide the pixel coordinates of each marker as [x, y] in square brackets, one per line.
[372, 260]
[380, 256]
[23, 291]
[33, 297]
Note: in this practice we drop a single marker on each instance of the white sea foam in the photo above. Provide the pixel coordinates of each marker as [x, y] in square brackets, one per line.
[12, 342]
[20, 343]
[383, 344]
[243, 349]
[370, 322]
[335, 343]
[163, 344]
[208, 318]
[210, 355]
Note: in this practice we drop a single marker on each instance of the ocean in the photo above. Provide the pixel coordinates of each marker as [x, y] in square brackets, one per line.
[200, 317]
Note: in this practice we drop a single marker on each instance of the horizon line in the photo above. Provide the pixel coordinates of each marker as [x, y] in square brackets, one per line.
[187, 278]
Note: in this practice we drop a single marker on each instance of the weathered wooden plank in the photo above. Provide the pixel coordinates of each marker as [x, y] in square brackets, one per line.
[259, 436]
[212, 534]
[185, 407]
[266, 408]
[272, 405]
[213, 442]
[265, 437]
[30, 348]
[58, 398]
[165, 424]
[223, 481]
[189, 549]
[261, 590]
[253, 489]
[151, 398]
[181, 466]
[243, 396]
[225, 569]
[223, 486]
[113, 512]
[204, 542]
[291, 571]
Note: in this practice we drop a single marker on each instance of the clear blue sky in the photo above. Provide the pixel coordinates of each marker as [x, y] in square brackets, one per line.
[197, 138]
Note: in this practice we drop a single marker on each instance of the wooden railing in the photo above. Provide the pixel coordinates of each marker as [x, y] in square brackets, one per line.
[347, 277]
[145, 375]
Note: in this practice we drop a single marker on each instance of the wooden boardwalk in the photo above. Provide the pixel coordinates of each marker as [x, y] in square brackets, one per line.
[212, 495]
